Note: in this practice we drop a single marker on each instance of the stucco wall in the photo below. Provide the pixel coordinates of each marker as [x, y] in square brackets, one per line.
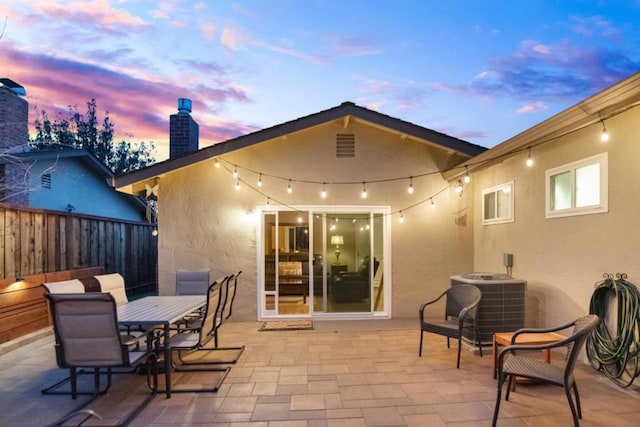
[562, 258]
[202, 220]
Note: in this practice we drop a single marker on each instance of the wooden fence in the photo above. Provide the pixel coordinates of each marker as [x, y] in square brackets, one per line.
[38, 245]
[36, 241]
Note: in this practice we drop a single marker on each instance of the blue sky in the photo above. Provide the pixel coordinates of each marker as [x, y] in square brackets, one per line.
[480, 71]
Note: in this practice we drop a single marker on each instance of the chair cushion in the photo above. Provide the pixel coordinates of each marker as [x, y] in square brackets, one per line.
[73, 286]
[114, 284]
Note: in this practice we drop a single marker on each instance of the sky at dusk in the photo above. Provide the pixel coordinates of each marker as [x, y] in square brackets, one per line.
[482, 71]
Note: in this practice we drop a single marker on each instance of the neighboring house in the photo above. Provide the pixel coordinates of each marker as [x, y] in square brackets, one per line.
[63, 180]
[299, 248]
[572, 215]
[73, 181]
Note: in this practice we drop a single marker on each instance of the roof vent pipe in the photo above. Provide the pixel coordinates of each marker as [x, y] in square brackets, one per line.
[184, 106]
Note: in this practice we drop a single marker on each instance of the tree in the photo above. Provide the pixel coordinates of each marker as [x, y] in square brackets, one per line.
[81, 132]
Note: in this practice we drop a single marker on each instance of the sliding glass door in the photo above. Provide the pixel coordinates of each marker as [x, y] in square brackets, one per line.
[321, 263]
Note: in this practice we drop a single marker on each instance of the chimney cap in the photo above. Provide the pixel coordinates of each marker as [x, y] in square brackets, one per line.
[13, 86]
[184, 105]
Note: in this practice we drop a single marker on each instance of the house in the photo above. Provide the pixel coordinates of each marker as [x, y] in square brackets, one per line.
[558, 225]
[63, 180]
[570, 210]
[344, 213]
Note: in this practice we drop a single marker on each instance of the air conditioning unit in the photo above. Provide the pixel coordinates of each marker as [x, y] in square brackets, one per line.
[501, 307]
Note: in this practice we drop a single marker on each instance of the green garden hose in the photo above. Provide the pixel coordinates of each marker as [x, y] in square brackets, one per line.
[616, 354]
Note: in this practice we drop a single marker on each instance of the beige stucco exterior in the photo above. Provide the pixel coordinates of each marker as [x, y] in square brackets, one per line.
[202, 221]
[562, 258]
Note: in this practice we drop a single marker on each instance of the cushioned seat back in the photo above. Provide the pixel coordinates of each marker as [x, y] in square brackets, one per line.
[73, 286]
[192, 282]
[86, 330]
[114, 284]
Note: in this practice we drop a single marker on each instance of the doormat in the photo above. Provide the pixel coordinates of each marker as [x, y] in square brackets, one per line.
[287, 325]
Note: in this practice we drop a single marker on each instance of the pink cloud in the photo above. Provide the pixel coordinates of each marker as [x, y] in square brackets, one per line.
[139, 107]
[532, 107]
[82, 12]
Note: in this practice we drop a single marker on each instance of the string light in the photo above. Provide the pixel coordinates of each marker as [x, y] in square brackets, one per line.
[235, 172]
[237, 185]
[459, 187]
[410, 189]
[260, 181]
[323, 193]
[604, 136]
[216, 163]
[401, 217]
[433, 205]
[268, 201]
[467, 178]
[529, 161]
[364, 191]
[289, 189]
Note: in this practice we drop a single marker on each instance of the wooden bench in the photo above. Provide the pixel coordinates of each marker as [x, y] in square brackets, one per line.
[23, 308]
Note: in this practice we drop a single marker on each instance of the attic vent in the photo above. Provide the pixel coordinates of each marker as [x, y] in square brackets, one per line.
[45, 180]
[345, 145]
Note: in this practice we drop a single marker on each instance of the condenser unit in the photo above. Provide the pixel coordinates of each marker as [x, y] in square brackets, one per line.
[501, 307]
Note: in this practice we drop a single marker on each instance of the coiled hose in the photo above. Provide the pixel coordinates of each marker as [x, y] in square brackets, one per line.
[616, 355]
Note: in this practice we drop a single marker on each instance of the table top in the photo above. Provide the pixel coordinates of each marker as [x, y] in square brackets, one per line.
[504, 338]
[159, 310]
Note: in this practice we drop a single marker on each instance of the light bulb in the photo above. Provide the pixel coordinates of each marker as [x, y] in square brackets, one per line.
[289, 189]
[410, 189]
[459, 187]
[237, 185]
[268, 201]
[323, 193]
[216, 163]
[260, 181]
[364, 191]
[235, 172]
[529, 161]
[401, 217]
[433, 205]
[467, 178]
[604, 136]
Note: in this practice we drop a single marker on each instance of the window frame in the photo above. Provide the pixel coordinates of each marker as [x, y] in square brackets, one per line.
[496, 189]
[602, 160]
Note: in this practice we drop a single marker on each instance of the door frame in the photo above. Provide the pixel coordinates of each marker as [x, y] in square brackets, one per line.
[310, 210]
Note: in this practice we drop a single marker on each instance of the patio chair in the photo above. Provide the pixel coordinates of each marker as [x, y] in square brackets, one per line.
[461, 308]
[512, 364]
[87, 336]
[73, 286]
[192, 282]
[224, 314]
[114, 284]
[193, 339]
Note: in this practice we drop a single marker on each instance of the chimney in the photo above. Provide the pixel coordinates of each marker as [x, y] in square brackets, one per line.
[14, 116]
[183, 131]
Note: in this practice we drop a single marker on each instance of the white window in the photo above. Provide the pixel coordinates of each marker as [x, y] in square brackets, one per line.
[578, 188]
[497, 204]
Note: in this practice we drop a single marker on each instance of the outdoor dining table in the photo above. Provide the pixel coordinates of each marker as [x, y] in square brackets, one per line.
[160, 311]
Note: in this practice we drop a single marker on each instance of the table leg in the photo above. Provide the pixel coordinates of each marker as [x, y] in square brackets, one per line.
[167, 360]
[495, 358]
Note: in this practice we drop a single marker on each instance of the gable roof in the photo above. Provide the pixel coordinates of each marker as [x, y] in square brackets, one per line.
[345, 112]
[598, 108]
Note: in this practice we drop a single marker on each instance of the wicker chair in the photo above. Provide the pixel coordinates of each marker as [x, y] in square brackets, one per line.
[460, 314]
[512, 364]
